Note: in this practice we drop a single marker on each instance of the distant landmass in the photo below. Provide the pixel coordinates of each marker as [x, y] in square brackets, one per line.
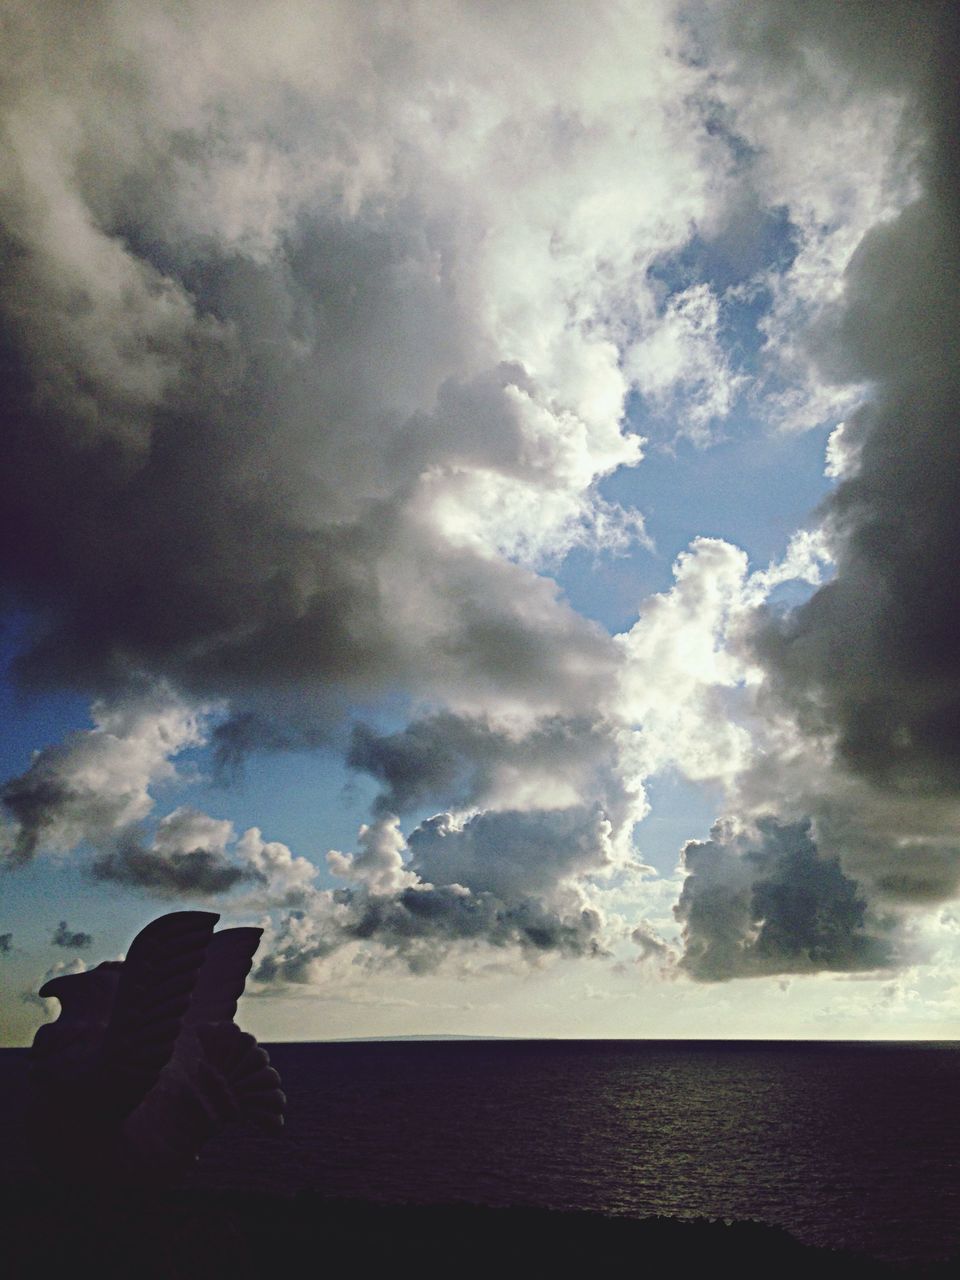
[411, 1039]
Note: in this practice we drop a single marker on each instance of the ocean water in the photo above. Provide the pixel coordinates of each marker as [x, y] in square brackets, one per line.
[847, 1145]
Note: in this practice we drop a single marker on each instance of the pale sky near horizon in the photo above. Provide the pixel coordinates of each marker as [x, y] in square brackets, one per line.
[480, 500]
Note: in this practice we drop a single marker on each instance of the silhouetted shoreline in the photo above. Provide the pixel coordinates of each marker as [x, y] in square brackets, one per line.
[59, 1231]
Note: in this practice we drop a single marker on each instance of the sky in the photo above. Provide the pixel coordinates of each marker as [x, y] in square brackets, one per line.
[480, 500]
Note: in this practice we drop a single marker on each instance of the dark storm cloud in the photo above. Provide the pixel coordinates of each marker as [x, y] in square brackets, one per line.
[177, 873]
[238, 737]
[63, 937]
[767, 902]
[873, 655]
[868, 668]
[173, 567]
[460, 761]
[34, 802]
[6, 941]
[903, 47]
[217, 553]
[219, 495]
[511, 854]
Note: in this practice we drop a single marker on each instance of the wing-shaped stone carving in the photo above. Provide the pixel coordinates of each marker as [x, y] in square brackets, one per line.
[145, 1062]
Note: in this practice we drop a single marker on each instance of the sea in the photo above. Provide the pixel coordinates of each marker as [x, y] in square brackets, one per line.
[852, 1145]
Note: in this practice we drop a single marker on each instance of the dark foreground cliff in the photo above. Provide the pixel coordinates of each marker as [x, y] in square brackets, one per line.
[137, 1235]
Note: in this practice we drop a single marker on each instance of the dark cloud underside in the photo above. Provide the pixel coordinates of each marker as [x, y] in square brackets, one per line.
[180, 873]
[770, 903]
[873, 655]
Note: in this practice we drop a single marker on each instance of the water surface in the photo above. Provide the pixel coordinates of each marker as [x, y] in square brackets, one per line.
[847, 1145]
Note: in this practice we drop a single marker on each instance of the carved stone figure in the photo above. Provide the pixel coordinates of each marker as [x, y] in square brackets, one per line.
[145, 1062]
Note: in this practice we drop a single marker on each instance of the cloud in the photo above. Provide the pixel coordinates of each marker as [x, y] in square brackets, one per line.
[682, 367]
[342, 372]
[6, 942]
[540, 808]
[319, 329]
[837, 714]
[866, 668]
[476, 762]
[288, 880]
[176, 873]
[421, 927]
[654, 948]
[765, 901]
[240, 734]
[196, 856]
[512, 854]
[96, 789]
[64, 938]
[709, 708]
[682, 671]
[337, 368]
[488, 883]
[798, 89]
[97, 782]
[379, 862]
